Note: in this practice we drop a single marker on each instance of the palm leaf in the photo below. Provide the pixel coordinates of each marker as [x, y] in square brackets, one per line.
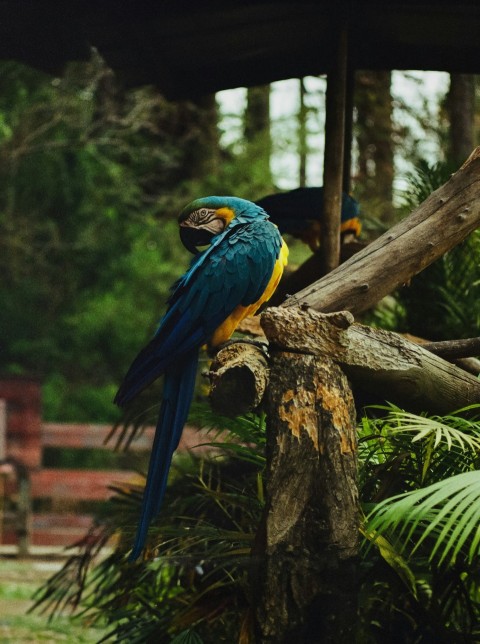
[187, 637]
[460, 427]
[448, 511]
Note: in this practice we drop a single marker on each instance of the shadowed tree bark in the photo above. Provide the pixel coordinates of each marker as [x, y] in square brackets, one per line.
[461, 107]
[302, 135]
[306, 587]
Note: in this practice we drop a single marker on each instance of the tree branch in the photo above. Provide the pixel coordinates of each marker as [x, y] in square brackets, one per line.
[437, 225]
[454, 349]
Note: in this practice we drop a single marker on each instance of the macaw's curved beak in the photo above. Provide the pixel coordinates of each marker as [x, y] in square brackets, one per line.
[193, 238]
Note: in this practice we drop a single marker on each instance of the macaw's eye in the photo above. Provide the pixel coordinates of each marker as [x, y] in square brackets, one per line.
[201, 217]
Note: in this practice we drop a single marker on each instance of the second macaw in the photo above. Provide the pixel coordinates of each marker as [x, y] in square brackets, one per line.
[228, 281]
[298, 211]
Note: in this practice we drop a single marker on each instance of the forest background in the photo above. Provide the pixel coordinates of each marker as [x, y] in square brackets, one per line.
[93, 175]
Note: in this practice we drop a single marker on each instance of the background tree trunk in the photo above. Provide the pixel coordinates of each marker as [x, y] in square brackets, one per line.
[461, 108]
[202, 148]
[374, 127]
[302, 135]
[333, 166]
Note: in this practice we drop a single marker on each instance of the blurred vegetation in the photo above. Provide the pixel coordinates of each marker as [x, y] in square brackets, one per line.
[91, 181]
[85, 261]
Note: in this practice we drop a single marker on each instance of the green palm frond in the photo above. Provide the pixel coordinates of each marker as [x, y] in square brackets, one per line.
[394, 558]
[187, 637]
[449, 431]
[424, 180]
[452, 430]
[447, 512]
[400, 451]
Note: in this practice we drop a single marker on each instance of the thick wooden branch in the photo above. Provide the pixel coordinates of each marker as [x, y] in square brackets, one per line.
[472, 365]
[310, 271]
[458, 352]
[437, 225]
[382, 362]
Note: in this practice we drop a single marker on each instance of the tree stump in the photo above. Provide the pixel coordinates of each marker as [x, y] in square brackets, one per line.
[308, 543]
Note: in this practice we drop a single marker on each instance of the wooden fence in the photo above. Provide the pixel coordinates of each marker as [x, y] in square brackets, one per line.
[44, 506]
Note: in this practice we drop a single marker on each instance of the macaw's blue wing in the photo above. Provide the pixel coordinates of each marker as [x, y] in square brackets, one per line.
[234, 271]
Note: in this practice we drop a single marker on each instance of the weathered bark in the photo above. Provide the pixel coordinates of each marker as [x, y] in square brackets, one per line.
[456, 351]
[306, 588]
[472, 365]
[438, 224]
[464, 348]
[380, 362]
[238, 379]
[309, 272]
[383, 363]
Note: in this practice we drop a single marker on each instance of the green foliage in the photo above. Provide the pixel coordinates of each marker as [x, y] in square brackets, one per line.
[443, 301]
[424, 180]
[447, 511]
[419, 480]
[194, 582]
[90, 179]
[419, 558]
[87, 252]
[451, 289]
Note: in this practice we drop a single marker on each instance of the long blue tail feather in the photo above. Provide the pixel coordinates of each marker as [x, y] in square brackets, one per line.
[178, 392]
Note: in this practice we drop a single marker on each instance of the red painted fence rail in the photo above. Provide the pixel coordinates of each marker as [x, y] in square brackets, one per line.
[24, 481]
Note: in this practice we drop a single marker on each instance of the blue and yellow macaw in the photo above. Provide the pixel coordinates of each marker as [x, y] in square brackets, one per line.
[297, 212]
[225, 283]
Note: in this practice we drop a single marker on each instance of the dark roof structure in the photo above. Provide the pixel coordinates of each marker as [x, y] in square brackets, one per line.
[192, 48]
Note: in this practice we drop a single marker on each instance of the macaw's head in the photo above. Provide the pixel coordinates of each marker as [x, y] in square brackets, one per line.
[205, 218]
